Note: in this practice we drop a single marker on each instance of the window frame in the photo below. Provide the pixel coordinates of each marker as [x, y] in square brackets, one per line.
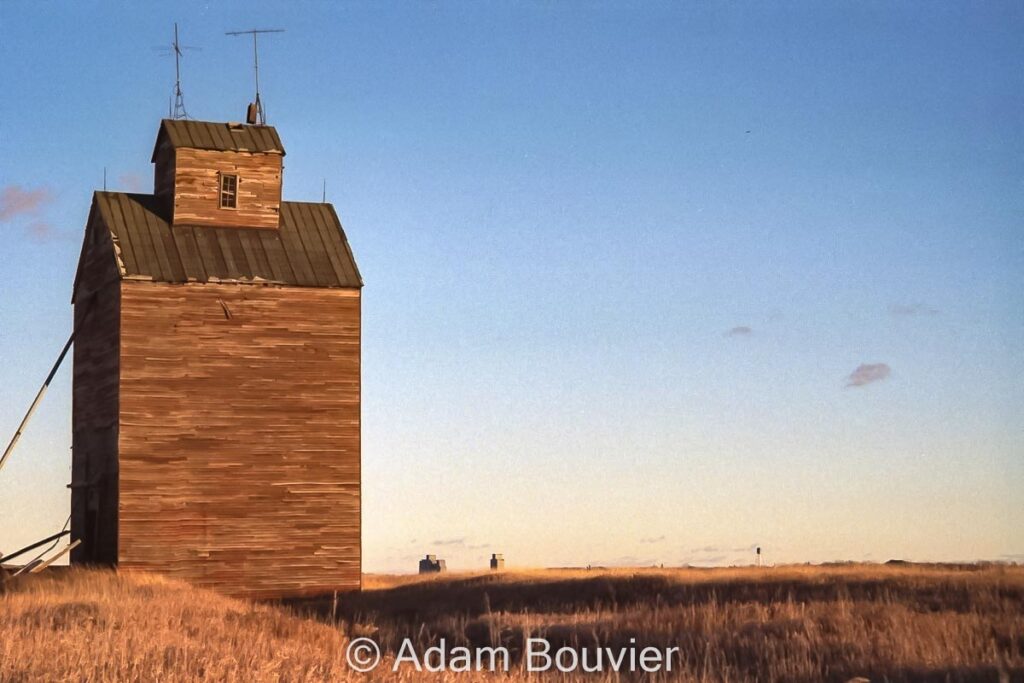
[222, 193]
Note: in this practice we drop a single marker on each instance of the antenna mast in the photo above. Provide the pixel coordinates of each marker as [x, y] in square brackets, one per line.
[177, 109]
[179, 99]
[256, 113]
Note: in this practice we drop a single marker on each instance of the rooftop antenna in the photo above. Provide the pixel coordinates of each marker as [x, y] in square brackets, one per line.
[177, 111]
[324, 200]
[255, 113]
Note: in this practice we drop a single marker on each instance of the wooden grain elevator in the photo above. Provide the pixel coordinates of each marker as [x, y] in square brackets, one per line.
[216, 382]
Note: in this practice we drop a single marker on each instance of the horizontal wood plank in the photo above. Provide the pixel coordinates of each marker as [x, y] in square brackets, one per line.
[239, 441]
[197, 188]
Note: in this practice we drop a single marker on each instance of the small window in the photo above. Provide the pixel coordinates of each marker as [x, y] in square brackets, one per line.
[228, 191]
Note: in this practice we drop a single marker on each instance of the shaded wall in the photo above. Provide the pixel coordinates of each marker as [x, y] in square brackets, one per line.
[94, 411]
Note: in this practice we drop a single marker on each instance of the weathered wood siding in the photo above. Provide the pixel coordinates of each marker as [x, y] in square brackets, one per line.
[94, 404]
[197, 188]
[240, 436]
[163, 177]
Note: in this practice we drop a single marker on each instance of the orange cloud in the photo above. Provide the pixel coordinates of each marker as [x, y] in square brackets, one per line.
[16, 201]
[130, 181]
[40, 231]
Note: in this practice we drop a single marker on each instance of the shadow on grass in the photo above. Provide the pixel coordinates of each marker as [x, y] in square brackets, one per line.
[473, 596]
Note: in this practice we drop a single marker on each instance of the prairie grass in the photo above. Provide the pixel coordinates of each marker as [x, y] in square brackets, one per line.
[882, 623]
[97, 625]
[796, 623]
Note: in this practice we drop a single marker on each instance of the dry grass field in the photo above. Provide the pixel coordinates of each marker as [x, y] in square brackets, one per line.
[881, 623]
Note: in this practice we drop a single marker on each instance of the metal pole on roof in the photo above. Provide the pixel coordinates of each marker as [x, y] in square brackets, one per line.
[256, 64]
[179, 98]
[177, 109]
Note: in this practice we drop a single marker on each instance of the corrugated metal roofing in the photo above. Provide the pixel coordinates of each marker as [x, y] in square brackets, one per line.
[224, 137]
[309, 248]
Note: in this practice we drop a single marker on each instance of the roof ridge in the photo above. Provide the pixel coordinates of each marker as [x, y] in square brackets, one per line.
[310, 235]
[218, 136]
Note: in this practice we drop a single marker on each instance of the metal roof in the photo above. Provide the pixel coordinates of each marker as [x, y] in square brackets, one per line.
[309, 249]
[224, 137]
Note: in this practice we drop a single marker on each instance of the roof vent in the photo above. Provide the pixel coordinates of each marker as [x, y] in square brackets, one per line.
[250, 113]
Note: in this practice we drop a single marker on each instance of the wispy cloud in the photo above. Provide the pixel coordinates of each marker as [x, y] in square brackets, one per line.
[16, 201]
[130, 181]
[911, 310]
[403, 563]
[710, 555]
[722, 549]
[652, 539]
[866, 373]
[703, 560]
[41, 231]
[451, 541]
[629, 561]
[739, 331]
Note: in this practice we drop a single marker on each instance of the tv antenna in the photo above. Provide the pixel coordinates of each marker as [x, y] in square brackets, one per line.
[177, 110]
[255, 113]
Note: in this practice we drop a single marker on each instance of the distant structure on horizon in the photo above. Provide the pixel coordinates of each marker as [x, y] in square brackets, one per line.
[216, 399]
[431, 565]
[497, 561]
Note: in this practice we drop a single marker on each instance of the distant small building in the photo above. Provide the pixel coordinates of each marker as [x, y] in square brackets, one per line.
[432, 565]
[497, 561]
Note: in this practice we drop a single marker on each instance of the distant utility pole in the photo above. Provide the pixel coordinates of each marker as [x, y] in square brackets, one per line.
[256, 112]
[758, 556]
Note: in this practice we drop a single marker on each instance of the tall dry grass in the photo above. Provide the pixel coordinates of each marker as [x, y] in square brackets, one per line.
[95, 625]
[782, 624]
[897, 623]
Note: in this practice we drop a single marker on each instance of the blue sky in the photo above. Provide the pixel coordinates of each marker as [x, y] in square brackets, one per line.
[622, 261]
